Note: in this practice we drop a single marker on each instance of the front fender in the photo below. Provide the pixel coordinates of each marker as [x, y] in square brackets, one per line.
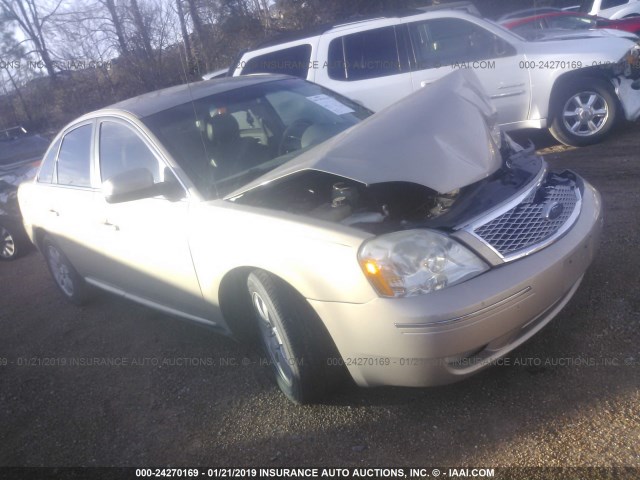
[319, 259]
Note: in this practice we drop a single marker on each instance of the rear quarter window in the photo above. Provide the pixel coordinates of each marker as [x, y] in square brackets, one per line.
[74, 159]
[45, 175]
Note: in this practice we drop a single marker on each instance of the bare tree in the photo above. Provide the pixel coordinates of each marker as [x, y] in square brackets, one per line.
[11, 53]
[142, 30]
[185, 34]
[198, 29]
[32, 24]
[117, 25]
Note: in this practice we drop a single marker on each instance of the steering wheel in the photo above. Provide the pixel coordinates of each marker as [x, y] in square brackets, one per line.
[292, 136]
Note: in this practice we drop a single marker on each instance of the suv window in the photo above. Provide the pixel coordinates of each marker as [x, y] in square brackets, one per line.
[45, 175]
[447, 41]
[121, 150]
[363, 55]
[74, 160]
[292, 61]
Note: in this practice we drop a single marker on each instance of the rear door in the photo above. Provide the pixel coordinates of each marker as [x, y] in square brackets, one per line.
[68, 204]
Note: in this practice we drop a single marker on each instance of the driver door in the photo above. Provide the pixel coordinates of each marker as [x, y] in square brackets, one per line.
[144, 243]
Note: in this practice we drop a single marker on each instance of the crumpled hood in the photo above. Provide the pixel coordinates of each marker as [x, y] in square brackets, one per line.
[443, 136]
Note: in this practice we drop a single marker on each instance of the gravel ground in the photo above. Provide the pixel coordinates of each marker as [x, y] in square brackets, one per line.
[163, 411]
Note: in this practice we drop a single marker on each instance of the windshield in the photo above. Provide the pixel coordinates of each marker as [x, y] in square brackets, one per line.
[226, 140]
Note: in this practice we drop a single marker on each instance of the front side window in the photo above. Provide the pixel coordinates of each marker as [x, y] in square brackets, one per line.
[74, 159]
[448, 41]
[364, 55]
[294, 61]
[122, 150]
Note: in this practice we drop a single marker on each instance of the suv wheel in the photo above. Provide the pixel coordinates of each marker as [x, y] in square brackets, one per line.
[67, 279]
[299, 349]
[585, 111]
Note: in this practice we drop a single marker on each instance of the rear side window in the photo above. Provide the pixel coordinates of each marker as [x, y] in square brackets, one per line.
[45, 175]
[74, 160]
[121, 150]
[359, 56]
[292, 61]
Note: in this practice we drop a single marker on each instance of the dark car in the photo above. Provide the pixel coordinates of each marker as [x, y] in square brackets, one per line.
[20, 155]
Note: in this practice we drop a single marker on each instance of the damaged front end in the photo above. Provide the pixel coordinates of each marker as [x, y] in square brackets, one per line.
[384, 207]
[515, 211]
[627, 82]
[480, 199]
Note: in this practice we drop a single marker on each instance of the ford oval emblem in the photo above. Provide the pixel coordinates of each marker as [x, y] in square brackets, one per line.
[552, 211]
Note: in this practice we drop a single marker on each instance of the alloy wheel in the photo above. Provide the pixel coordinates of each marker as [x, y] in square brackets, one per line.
[60, 270]
[585, 113]
[272, 339]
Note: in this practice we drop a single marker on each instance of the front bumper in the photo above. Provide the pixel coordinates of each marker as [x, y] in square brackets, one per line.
[445, 336]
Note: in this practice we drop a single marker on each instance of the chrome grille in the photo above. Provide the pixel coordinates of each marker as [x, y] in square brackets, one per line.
[531, 222]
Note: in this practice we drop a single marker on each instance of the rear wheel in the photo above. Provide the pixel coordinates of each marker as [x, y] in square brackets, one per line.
[67, 279]
[303, 357]
[584, 113]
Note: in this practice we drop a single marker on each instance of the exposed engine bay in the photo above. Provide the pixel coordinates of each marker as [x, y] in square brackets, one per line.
[388, 206]
[337, 199]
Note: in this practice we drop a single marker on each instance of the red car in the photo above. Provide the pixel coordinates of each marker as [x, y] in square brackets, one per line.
[561, 20]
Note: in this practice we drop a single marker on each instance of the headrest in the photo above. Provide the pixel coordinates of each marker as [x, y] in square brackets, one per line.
[223, 128]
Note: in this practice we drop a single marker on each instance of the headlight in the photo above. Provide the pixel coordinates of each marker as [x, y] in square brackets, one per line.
[413, 262]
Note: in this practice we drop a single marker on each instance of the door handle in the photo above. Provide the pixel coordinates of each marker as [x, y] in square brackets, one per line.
[110, 226]
[54, 212]
[424, 83]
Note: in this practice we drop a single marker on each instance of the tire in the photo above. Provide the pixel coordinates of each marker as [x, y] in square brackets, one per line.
[584, 112]
[69, 282]
[11, 246]
[304, 360]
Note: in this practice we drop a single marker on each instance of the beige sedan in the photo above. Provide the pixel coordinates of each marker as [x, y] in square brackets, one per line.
[411, 247]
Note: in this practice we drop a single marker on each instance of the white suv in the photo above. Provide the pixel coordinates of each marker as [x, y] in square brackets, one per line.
[577, 87]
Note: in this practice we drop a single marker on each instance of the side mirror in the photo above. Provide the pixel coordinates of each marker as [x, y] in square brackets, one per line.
[138, 184]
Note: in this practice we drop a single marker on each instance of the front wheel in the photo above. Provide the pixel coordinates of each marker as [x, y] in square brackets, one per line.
[299, 349]
[584, 113]
[67, 279]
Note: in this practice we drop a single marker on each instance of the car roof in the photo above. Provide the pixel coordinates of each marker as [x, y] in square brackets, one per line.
[159, 100]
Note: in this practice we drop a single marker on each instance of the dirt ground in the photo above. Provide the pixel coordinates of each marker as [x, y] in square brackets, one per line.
[176, 394]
